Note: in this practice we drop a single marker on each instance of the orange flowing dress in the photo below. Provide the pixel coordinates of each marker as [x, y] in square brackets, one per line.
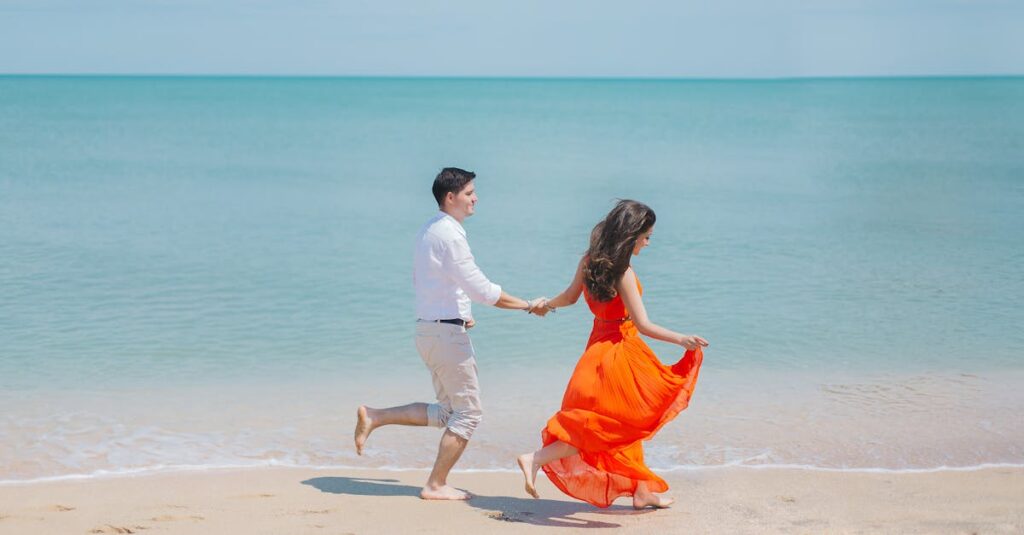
[619, 395]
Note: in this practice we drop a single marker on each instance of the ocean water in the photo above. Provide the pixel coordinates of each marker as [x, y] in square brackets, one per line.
[200, 272]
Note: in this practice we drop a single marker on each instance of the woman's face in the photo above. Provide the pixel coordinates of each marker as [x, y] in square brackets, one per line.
[643, 241]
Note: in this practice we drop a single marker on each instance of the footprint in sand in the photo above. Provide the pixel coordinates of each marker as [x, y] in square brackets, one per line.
[61, 508]
[251, 496]
[172, 518]
[504, 517]
[109, 528]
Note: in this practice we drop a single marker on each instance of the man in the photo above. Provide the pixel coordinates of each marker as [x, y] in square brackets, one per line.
[446, 279]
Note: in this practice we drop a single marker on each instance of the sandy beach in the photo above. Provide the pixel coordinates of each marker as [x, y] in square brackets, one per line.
[732, 500]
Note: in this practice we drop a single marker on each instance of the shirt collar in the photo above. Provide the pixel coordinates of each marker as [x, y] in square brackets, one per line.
[441, 214]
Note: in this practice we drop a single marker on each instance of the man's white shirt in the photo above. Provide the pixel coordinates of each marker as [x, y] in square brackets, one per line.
[445, 276]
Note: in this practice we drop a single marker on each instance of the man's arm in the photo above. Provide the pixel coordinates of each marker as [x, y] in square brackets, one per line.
[512, 302]
[463, 268]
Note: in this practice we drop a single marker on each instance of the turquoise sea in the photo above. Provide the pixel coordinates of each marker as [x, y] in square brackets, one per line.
[200, 272]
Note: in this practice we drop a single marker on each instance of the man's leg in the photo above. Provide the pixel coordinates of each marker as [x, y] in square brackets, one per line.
[448, 453]
[428, 337]
[455, 374]
[368, 419]
[449, 355]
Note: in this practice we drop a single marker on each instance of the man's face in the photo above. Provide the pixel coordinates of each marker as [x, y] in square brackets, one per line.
[462, 203]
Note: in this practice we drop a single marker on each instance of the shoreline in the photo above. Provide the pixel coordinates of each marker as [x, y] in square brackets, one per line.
[295, 500]
[105, 475]
[890, 424]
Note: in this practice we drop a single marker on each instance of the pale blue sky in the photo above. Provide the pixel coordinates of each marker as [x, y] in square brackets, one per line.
[641, 38]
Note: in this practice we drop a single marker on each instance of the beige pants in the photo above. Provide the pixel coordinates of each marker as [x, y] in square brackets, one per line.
[448, 354]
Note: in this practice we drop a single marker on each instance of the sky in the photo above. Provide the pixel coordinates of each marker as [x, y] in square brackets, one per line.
[531, 38]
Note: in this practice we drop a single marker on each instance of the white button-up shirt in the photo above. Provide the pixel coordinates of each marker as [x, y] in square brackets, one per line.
[445, 276]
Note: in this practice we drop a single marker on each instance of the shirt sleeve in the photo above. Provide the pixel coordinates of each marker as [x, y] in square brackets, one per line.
[459, 264]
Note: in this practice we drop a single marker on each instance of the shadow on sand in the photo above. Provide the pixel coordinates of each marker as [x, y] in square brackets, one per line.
[504, 508]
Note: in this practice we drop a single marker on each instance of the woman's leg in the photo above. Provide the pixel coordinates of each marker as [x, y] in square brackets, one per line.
[643, 498]
[530, 463]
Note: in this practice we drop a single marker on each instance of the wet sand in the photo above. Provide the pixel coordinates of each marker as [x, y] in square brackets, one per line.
[733, 500]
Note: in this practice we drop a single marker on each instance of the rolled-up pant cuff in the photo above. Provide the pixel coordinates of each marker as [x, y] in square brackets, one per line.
[439, 416]
[463, 430]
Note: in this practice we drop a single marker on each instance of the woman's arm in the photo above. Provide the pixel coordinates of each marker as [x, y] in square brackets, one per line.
[572, 293]
[635, 308]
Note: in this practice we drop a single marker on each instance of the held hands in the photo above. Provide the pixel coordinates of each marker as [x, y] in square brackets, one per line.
[691, 342]
[539, 306]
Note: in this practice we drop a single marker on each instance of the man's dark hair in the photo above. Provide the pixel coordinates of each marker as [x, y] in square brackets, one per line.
[450, 179]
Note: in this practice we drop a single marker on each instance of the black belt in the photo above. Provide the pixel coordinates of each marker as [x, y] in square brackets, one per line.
[457, 321]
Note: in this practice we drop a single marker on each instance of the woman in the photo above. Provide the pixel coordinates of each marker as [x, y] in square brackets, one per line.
[620, 393]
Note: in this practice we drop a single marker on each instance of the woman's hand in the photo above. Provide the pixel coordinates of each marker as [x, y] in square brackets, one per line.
[539, 306]
[692, 341]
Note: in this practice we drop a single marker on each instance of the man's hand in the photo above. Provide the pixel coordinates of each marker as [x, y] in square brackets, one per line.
[470, 324]
[539, 306]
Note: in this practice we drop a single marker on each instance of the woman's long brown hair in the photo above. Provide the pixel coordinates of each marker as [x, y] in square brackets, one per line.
[611, 244]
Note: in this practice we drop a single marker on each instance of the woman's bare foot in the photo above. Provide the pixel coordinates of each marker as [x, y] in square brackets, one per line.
[525, 462]
[643, 501]
[444, 492]
[364, 426]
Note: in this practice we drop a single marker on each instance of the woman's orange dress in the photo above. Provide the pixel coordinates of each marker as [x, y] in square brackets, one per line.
[619, 395]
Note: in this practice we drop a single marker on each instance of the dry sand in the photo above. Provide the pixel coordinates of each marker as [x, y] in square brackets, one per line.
[735, 500]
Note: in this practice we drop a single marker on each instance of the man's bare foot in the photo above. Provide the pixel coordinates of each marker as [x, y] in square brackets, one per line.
[525, 462]
[443, 492]
[643, 501]
[364, 425]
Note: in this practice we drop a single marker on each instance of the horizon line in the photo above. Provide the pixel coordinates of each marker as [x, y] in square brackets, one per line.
[518, 78]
